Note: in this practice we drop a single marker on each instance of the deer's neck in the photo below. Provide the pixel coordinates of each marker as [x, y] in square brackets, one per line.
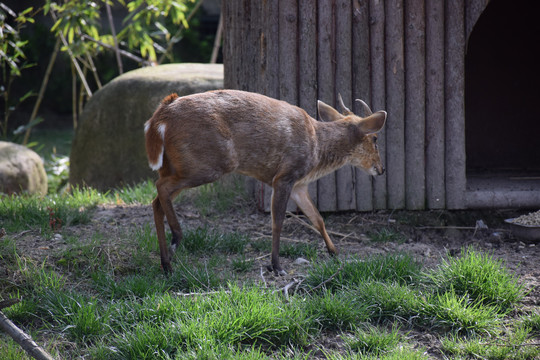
[334, 146]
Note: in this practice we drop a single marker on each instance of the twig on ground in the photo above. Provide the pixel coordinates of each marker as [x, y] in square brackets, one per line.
[202, 293]
[301, 221]
[263, 279]
[23, 339]
[286, 288]
[327, 280]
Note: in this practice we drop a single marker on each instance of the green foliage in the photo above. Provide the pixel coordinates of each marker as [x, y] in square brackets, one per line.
[148, 26]
[12, 58]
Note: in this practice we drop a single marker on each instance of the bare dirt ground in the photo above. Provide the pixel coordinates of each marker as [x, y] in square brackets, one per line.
[428, 236]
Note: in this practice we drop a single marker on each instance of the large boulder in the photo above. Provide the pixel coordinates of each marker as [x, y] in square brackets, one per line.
[21, 170]
[108, 148]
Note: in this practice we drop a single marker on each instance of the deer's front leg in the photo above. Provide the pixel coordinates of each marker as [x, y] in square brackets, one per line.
[280, 196]
[301, 197]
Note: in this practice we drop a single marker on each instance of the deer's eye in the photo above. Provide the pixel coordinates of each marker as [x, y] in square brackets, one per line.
[374, 139]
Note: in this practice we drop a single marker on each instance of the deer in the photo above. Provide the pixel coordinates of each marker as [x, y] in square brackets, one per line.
[196, 139]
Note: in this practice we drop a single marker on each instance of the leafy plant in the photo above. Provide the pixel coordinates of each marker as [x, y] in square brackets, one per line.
[12, 58]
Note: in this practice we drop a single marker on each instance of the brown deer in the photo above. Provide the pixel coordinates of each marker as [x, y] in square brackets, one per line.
[196, 139]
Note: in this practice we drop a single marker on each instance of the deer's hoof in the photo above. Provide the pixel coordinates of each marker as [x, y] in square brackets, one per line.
[167, 268]
[275, 270]
[332, 251]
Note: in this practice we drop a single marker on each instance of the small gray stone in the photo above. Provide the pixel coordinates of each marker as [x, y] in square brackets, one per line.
[301, 261]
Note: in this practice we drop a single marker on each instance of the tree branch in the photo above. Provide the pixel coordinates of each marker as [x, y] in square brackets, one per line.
[23, 339]
[113, 32]
[121, 52]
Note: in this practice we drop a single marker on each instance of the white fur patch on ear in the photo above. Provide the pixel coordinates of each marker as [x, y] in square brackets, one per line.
[146, 126]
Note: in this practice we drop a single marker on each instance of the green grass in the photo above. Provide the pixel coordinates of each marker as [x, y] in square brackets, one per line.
[94, 298]
[370, 340]
[517, 345]
[400, 268]
[50, 213]
[480, 277]
[220, 195]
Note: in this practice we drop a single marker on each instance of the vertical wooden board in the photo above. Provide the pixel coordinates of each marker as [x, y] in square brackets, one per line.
[253, 53]
[307, 65]
[435, 114]
[395, 126]
[326, 188]
[345, 186]
[361, 90]
[288, 58]
[455, 104]
[269, 84]
[288, 61]
[378, 91]
[415, 104]
[229, 55]
[271, 33]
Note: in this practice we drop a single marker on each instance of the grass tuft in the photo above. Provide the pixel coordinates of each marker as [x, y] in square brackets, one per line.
[480, 277]
[457, 313]
[370, 340]
[336, 311]
[400, 268]
[516, 346]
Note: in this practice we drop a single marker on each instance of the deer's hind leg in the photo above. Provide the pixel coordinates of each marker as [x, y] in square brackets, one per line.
[169, 185]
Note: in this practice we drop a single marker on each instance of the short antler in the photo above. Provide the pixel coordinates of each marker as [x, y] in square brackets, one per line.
[367, 109]
[345, 110]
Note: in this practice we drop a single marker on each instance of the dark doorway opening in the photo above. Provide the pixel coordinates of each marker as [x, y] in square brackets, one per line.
[502, 92]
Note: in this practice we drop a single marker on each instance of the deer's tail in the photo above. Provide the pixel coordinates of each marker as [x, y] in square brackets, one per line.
[154, 132]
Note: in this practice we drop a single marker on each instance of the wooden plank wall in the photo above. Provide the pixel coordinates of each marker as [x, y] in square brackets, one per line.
[403, 56]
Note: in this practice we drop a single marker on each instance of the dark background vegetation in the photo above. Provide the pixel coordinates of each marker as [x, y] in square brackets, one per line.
[56, 109]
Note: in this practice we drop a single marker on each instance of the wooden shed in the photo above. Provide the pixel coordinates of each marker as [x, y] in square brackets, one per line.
[458, 79]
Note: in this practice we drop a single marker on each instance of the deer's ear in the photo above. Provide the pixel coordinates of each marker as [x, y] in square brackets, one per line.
[373, 123]
[328, 113]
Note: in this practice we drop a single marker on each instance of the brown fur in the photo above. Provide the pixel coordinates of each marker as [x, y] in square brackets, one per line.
[169, 99]
[204, 136]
